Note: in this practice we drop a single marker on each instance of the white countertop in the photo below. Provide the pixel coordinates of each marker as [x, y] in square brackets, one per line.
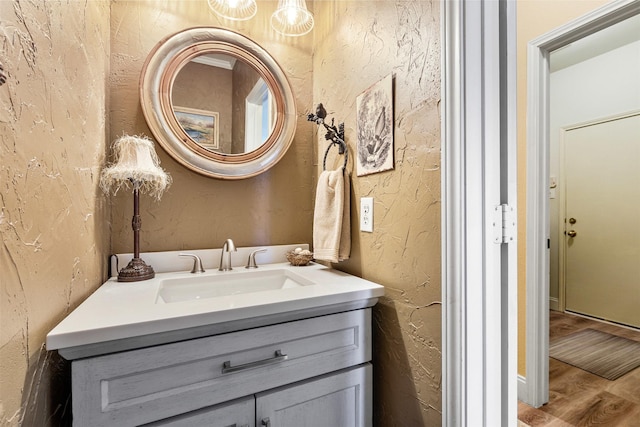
[121, 310]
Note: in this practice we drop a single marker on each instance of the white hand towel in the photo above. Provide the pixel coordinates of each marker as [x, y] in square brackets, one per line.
[332, 217]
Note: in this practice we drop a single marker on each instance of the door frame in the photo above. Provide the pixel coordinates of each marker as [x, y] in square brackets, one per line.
[536, 389]
[478, 160]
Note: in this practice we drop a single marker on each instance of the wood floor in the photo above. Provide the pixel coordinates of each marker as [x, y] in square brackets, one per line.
[579, 398]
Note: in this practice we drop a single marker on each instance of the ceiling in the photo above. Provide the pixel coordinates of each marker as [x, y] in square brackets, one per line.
[613, 37]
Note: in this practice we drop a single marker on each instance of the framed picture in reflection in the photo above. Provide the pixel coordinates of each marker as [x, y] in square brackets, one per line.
[200, 125]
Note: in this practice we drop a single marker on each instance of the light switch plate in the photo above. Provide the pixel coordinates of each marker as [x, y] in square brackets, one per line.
[366, 214]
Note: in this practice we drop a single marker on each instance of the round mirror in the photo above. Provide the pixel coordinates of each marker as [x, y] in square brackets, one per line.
[218, 103]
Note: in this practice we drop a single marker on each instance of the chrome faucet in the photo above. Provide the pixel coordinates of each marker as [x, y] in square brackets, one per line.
[227, 247]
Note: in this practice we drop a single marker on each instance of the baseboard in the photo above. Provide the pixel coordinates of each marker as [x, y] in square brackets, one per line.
[523, 394]
[554, 304]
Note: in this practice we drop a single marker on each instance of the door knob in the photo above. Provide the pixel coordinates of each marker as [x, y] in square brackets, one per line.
[572, 233]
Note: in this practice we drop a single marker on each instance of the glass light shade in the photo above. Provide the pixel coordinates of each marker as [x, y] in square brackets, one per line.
[236, 10]
[292, 18]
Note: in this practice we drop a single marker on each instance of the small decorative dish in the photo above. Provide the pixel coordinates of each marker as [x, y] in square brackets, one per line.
[299, 257]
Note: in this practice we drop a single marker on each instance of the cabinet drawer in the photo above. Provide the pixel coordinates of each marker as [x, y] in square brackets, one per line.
[141, 386]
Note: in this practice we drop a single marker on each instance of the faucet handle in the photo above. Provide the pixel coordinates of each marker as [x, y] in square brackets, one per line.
[251, 261]
[197, 263]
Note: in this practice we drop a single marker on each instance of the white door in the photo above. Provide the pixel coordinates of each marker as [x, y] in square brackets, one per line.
[602, 220]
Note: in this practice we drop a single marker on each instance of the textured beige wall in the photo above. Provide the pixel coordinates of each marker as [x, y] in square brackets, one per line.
[534, 18]
[200, 212]
[357, 44]
[53, 218]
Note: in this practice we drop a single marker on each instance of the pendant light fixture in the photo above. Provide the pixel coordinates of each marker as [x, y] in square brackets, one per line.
[236, 10]
[292, 18]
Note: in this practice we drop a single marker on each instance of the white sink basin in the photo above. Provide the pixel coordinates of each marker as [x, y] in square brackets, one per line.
[223, 284]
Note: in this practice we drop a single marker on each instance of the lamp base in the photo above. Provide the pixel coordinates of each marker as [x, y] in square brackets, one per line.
[135, 271]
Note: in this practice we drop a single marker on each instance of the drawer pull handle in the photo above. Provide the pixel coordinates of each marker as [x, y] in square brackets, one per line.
[278, 357]
[266, 422]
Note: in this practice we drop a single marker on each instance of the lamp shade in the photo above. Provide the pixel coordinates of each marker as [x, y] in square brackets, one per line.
[236, 10]
[136, 164]
[292, 18]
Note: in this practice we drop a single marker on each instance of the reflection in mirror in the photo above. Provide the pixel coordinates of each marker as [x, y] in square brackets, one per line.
[223, 104]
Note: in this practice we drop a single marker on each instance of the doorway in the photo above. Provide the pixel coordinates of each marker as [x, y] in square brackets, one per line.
[538, 184]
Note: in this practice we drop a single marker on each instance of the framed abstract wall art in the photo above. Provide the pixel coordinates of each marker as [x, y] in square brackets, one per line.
[374, 109]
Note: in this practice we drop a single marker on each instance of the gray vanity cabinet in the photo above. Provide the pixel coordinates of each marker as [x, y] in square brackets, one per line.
[309, 372]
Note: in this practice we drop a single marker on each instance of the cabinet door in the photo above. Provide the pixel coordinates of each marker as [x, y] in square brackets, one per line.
[341, 399]
[238, 413]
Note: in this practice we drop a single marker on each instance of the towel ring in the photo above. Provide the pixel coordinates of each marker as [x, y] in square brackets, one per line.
[346, 155]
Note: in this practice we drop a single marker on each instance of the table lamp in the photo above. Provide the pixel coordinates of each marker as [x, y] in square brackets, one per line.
[136, 167]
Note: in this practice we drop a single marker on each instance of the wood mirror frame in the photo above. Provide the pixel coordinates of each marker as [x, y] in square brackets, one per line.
[164, 62]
